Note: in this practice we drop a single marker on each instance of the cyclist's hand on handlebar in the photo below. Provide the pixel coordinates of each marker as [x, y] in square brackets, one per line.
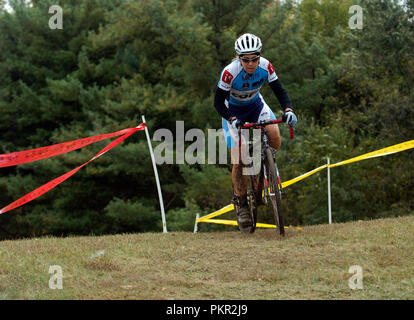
[236, 123]
[290, 118]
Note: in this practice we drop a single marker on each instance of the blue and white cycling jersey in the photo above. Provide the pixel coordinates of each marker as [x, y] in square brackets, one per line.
[245, 101]
[244, 88]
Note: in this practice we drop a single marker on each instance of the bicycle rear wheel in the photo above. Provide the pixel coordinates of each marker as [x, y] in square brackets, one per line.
[273, 191]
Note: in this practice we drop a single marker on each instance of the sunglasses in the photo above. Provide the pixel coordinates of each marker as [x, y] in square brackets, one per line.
[247, 60]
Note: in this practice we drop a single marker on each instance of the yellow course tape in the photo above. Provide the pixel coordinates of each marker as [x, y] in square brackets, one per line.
[303, 176]
[228, 208]
[234, 223]
[382, 152]
[379, 153]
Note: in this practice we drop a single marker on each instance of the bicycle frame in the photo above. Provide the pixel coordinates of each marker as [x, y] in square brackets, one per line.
[265, 145]
[260, 187]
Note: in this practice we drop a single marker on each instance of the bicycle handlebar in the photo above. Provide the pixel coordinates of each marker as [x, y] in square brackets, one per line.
[264, 123]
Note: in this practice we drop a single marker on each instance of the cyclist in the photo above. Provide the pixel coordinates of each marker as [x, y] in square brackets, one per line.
[238, 100]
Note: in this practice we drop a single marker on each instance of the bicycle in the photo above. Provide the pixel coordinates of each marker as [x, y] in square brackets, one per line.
[267, 185]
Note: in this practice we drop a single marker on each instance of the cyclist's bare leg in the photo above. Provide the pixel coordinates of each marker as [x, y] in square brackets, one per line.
[239, 180]
[273, 133]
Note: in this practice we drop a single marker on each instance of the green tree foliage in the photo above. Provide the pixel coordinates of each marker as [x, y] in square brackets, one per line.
[114, 61]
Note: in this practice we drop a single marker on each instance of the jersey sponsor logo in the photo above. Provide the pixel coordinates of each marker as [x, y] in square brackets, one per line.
[270, 68]
[245, 85]
[240, 95]
[227, 77]
[258, 83]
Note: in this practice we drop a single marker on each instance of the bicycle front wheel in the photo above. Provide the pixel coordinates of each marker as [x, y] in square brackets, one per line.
[273, 191]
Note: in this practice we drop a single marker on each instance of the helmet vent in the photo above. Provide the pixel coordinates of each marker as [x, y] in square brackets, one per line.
[248, 44]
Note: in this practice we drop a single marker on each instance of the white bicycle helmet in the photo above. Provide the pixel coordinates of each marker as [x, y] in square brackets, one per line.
[248, 44]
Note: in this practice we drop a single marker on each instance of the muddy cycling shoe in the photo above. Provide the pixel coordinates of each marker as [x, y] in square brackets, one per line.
[244, 219]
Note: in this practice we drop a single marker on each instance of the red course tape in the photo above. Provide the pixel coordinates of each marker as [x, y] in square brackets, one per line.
[52, 152]
[15, 158]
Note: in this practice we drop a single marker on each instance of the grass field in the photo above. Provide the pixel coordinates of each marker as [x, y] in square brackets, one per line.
[311, 263]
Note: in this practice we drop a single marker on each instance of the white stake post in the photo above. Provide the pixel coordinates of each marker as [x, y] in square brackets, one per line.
[164, 223]
[195, 224]
[329, 193]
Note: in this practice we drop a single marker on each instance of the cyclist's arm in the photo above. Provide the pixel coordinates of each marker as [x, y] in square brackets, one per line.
[281, 95]
[219, 99]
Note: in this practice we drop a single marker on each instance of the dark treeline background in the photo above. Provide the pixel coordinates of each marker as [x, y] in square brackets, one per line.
[115, 60]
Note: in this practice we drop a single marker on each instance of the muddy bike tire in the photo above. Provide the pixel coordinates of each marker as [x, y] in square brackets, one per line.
[275, 198]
